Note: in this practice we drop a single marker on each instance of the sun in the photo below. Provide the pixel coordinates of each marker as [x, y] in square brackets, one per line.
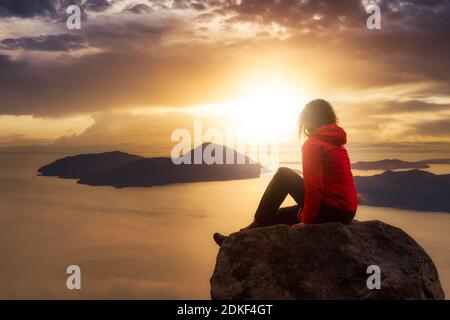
[268, 110]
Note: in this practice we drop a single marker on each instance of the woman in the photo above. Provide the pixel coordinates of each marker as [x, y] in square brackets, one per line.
[326, 193]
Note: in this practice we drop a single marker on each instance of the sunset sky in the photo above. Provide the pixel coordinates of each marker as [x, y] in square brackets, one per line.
[137, 70]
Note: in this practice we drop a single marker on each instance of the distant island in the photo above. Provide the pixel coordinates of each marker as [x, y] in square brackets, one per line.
[413, 190]
[387, 164]
[120, 169]
[85, 165]
[394, 164]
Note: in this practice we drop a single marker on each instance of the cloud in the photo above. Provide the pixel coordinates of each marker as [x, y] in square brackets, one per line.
[125, 128]
[97, 5]
[410, 47]
[400, 108]
[306, 15]
[433, 128]
[146, 132]
[392, 121]
[400, 147]
[179, 53]
[107, 81]
[139, 8]
[60, 42]
[27, 8]
[53, 9]
[21, 140]
[412, 106]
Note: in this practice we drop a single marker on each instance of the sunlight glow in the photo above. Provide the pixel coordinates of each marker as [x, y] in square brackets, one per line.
[264, 110]
[269, 110]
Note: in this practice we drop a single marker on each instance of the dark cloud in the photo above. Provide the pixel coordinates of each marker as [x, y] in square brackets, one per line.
[412, 45]
[97, 5]
[107, 81]
[27, 8]
[139, 8]
[61, 42]
[47, 8]
[348, 14]
[198, 4]
[306, 15]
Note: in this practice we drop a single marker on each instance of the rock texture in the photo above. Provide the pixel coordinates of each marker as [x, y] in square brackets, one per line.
[327, 261]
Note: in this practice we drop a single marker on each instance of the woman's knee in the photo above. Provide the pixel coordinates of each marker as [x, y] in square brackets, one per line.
[285, 172]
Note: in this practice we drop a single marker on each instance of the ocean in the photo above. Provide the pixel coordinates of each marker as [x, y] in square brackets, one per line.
[142, 243]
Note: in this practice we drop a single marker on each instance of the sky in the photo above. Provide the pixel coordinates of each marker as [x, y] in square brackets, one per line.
[137, 70]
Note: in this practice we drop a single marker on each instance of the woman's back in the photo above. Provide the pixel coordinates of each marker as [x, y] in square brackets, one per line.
[326, 168]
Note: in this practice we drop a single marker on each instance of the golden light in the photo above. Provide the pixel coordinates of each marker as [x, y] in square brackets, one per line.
[269, 110]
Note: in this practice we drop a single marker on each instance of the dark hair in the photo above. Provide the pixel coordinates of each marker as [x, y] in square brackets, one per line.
[316, 113]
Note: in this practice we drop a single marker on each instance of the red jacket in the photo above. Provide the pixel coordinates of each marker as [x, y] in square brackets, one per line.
[326, 173]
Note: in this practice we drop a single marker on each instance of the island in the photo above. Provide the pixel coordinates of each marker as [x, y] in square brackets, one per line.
[76, 167]
[413, 190]
[120, 169]
[394, 164]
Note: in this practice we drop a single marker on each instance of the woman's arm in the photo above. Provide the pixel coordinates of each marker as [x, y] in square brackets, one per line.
[313, 178]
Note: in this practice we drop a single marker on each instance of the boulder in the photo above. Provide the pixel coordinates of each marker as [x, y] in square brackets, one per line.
[327, 261]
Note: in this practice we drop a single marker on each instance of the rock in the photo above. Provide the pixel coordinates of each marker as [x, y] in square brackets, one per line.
[327, 261]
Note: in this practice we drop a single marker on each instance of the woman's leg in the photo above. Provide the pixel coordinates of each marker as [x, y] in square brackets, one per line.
[287, 215]
[285, 181]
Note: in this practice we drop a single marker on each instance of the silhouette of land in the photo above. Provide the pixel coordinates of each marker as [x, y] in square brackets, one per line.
[393, 164]
[413, 190]
[76, 167]
[121, 169]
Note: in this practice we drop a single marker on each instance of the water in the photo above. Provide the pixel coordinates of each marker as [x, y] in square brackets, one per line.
[144, 243]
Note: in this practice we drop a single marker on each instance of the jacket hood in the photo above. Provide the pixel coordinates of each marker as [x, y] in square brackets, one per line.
[331, 133]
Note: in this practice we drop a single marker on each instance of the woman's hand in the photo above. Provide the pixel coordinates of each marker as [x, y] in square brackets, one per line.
[298, 225]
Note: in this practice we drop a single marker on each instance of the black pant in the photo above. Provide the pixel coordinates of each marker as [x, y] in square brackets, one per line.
[287, 181]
